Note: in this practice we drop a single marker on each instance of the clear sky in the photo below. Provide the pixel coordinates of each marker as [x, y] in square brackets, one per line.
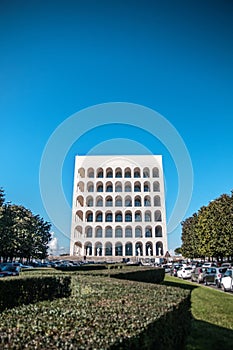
[59, 57]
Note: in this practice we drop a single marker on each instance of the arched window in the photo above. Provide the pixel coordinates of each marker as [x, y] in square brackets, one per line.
[137, 201]
[89, 232]
[118, 201]
[98, 232]
[108, 249]
[118, 173]
[80, 186]
[149, 249]
[80, 201]
[146, 187]
[127, 173]
[157, 201]
[108, 232]
[128, 232]
[147, 201]
[90, 187]
[128, 216]
[146, 172]
[89, 216]
[148, 232]
[139, 249]
[89, 201]
[109, 202]
[118, 217]
[128, 249]
[81, 172]
[138, 232]
[147, 216]
[137, 173]
[118, 187]
[99, 217]
[159, 248]
[109, 187]
[90, 172]
[118, 249]
[156, 186]
[118, 232]
[128, 201]
[79, 215]
[158, 216]
[109, 173]
[158, 231]
[155, 172]
[138, 216]
[137, 187]
[99, 201]
[100, 173]
[88, 248]
[128, 187]
[99, 187]
[98, 249]
[108, 217]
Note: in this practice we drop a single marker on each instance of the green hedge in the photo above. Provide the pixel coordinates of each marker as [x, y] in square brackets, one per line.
[24, 290]
[141, 274]
[103, 313]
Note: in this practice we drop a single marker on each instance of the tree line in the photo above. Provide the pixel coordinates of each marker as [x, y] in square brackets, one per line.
[23, 235]
[209, 232]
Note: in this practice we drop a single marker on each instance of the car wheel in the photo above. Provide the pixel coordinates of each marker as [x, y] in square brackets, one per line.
[218, 284]
[223, 288]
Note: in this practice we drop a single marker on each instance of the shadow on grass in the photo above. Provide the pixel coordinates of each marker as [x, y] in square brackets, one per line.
[206, 336]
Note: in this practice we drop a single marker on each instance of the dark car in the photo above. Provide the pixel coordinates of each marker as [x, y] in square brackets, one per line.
[9, 270]
[213, 275]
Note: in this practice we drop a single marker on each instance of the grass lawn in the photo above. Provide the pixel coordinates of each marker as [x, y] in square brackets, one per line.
[212, 311]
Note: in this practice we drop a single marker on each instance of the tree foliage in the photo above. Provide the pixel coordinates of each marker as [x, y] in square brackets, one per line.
[22, 234]
[209, 233]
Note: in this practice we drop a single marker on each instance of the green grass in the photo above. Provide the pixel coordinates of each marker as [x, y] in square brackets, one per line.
[212, 311]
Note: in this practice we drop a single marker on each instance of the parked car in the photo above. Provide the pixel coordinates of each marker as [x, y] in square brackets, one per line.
[227, 281]
[185, 272]
[9, 270]
[213, 275]
[197, 275]
[207, 265]
[174, 269]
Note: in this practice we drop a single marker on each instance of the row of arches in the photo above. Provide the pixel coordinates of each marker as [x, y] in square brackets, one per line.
[119, 249]
[118, 187]
[118, 216]
[119, 172]
[118, 232]
[110, 201]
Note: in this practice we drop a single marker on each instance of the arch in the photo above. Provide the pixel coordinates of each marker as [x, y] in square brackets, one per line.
[138, 216]
[148, 232]
[109, 187]
[77, 248]
[80, 201]
[157, 201]
[108, 201]
[147, 201]
[109, 173]
[147, 216]
[118, 216]
[118, 187]
[137, 173]
[118, 249]
[146, 172]
[138, 232]
[118, 173]
[128, 216]
[158, 231]
[89, 216]
[98, 249]
[80, 186]
[81, 172]
[90, 172]
[79, 216]
[159, 248]
[99, 216]
[100, 173]
[108, 232]
[90, 186]
[118, 232]
[127, 172]
[156, 186]
[99, 201]
[155, 172]
[89, 201]
[146, 186]
[99, 186]
[108, 216]
[128, 201]
[158, 215]
[149, 249]
[88, 248]
[88, 232]
[98, 232]
[78, 231]
[128, 187]
[128, 249]
[139, 248]
[137, 187]
[128, 232]
[118, 201]
[108, 248]
[137, 201]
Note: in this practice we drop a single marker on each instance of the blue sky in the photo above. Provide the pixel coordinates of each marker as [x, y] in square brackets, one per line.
[59, 57]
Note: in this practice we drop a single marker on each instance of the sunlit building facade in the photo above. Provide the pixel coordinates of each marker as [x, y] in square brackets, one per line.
[118, 207]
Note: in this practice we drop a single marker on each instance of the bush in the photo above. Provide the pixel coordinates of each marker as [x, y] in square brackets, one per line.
[24, 290]
[149, 275]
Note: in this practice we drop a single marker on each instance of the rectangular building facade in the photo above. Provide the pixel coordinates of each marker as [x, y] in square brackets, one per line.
[118, 207]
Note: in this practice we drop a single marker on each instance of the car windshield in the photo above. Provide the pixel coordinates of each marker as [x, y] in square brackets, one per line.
[228, 273]
[9, 268]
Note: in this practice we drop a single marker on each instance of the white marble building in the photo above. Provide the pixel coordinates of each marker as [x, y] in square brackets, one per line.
[118, 207]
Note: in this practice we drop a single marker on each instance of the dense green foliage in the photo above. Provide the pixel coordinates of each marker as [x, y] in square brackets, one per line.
[24, 290]
[22, 234]
[102, 313]
[209, 233]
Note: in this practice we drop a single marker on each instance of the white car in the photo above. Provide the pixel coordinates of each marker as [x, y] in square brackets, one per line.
[227, 281]
[185, 272]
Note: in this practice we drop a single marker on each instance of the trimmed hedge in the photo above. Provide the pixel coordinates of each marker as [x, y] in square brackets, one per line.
[149, 275]
[24, 290]
[103, 313]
